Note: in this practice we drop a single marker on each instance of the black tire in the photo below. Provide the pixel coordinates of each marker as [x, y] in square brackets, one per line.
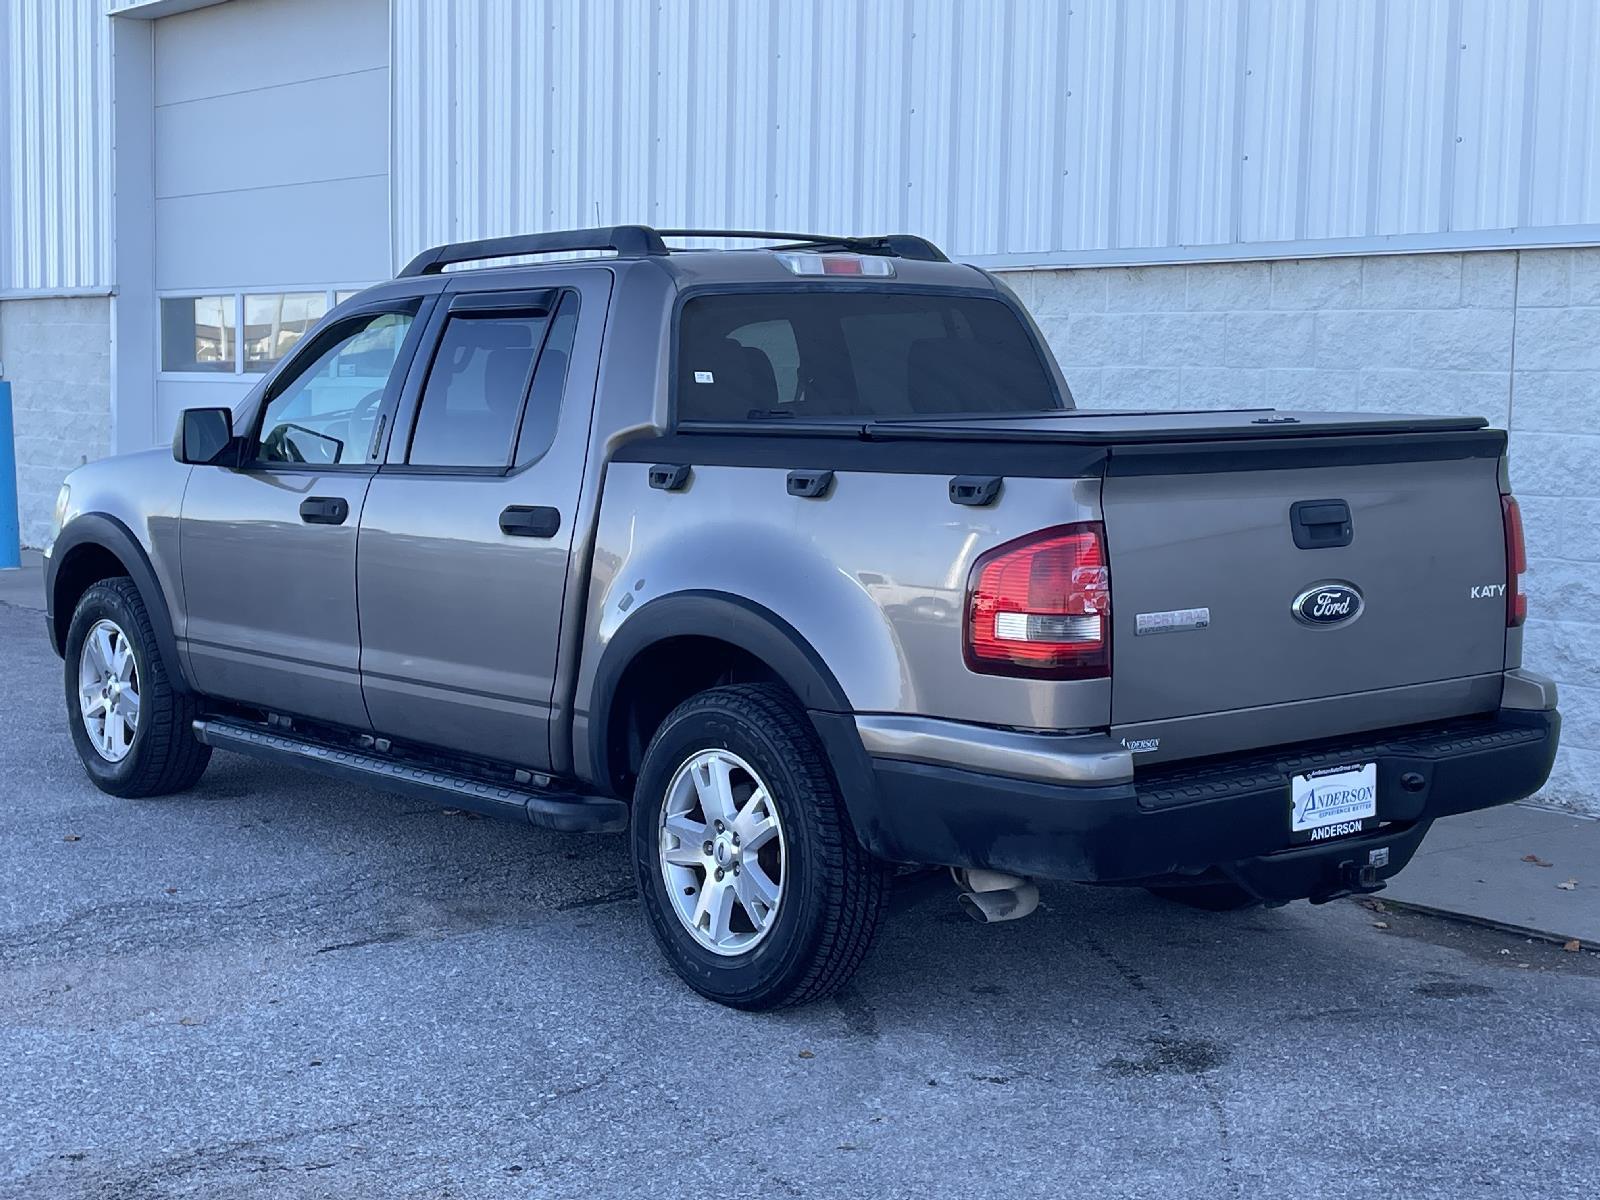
[1221, 896]
[834, 891]
[164, 756]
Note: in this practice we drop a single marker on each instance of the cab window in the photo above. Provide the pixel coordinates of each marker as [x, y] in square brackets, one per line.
[327, 412]
[823, 353]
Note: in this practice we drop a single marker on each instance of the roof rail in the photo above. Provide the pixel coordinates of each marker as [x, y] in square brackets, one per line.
[629, 241]
[641, 241]
[891, 245]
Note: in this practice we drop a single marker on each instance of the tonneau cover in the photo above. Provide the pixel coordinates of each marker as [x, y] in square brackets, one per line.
[1107, 426]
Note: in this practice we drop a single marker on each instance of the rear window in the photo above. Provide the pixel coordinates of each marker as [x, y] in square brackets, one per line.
[821, 354]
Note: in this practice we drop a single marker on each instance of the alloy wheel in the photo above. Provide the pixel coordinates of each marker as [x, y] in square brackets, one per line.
[722, 852]
[108, 690]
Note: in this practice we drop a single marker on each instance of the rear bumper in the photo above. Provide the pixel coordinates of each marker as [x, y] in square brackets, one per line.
[1227, 816]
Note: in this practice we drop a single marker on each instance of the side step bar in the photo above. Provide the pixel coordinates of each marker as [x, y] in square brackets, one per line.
[569, 812]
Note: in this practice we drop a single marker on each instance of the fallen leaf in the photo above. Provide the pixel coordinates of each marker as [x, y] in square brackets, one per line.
[1570, 885]
[1375, 905]
[171, 891]
[1573, 946]
[807, 1054]
[1536, 860]
[72, 837]
[1380, 924]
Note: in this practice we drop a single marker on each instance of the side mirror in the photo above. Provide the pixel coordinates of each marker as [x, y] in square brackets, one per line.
[203, 437]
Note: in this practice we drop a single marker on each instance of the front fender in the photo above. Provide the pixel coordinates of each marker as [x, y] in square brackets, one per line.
[93, 531]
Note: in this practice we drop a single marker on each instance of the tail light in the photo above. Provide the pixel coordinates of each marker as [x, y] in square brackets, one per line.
[1041, 606]
[1516, 563]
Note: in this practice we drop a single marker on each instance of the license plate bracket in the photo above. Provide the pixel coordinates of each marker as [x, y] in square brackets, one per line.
[1333, 802]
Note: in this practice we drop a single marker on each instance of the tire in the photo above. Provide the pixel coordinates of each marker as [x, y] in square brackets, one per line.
[830, 893]
[162, 755]
[1211, 897]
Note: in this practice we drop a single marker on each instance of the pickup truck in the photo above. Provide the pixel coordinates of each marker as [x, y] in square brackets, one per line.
[796, 562]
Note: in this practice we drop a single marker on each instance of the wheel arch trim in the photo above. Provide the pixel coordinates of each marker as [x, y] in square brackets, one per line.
[105, 532]
[721, 616]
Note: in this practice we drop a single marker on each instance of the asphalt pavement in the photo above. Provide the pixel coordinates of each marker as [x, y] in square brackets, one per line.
[274, 986]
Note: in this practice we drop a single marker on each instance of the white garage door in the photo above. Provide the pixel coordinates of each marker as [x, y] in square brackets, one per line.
[271, 182]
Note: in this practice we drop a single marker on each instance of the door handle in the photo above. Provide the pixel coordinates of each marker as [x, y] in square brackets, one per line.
[522, 520]
[324, 510]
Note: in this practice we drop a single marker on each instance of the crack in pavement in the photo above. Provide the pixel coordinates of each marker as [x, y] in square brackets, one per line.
[1171, 1052]
[85, 927]
[157, 1177]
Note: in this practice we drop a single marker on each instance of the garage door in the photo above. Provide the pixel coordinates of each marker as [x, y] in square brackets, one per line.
[271, 182]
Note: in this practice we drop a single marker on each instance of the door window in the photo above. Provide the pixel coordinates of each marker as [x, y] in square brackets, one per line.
[473, 398]
[326, 414]
[549, 381]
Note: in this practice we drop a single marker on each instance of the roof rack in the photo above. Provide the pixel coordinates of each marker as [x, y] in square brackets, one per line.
[641, 241]
[629, 241]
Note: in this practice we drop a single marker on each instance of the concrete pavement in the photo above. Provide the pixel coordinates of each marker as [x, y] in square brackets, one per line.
[1520, 867]
[274, 986]
[24, 587]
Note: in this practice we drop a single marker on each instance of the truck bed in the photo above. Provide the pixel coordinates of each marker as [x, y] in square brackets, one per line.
[1198, 514]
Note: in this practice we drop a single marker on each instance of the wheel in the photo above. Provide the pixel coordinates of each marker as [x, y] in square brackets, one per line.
[1221, 896]
[133, 731]
[755, 885]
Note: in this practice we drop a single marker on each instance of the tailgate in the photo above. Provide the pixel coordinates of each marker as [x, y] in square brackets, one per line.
[1217, 610]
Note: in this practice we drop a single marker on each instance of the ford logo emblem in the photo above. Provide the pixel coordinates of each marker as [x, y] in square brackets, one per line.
[1328, 604]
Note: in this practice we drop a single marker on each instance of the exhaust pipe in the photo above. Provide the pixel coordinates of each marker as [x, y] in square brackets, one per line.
[992, 896]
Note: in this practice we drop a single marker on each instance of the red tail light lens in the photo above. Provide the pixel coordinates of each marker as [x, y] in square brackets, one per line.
[1516, 563]
[1041, 606]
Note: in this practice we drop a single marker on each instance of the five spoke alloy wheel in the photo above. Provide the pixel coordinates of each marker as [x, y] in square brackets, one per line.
[108, 690]
[722, 852]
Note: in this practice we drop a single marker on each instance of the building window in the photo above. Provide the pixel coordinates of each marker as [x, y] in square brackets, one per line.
[273, 324]
[198, 333]
[239, 333]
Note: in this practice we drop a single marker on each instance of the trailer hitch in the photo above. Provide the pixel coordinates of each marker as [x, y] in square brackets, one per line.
[1352, 879]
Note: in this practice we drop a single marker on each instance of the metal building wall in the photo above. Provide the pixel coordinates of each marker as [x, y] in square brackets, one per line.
[1011, 131]
[55, 147]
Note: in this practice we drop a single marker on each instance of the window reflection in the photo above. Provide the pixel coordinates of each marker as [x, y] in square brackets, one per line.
[273, 324]
[198, 333]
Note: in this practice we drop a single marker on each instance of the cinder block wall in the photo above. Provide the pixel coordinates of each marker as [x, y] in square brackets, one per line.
[57, 357]
[1512, 336]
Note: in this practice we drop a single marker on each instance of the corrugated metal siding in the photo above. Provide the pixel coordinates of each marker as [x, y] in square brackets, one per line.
[55, 144]
[1024, 128]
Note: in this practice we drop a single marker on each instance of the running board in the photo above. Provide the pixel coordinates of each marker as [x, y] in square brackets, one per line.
[569, 812]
